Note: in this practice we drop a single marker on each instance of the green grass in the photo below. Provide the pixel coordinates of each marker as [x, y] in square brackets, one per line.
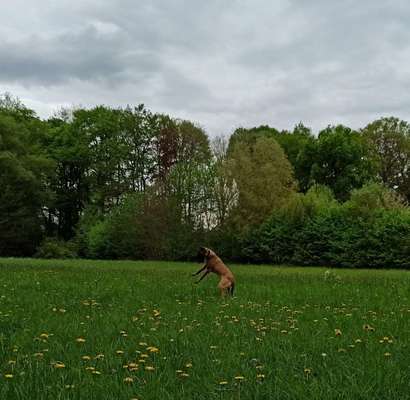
[278, 332]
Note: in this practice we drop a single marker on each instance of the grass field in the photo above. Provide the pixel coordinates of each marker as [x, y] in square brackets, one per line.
[142, 330]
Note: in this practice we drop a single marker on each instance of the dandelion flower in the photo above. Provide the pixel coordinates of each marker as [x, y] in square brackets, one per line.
[307, 371]
[260, 376]
[239, 378]
[59, 365]
[128, 379]
[8, 376]
[338, 332]
[80, 340]
[222, 383]
[387, 354]
[149, 368]
[86, 358]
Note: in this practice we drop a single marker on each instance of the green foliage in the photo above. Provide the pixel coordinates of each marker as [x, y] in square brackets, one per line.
[55, 249]
[264, 178]
[389, 139]
[371, 230]
[339, 159]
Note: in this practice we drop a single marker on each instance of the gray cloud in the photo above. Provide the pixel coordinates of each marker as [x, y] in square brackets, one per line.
[222, 64]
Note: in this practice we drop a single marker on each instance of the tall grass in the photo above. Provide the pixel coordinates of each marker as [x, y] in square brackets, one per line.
[142, 330]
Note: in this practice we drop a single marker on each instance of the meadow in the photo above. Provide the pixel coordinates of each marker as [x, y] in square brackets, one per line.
[85, 329]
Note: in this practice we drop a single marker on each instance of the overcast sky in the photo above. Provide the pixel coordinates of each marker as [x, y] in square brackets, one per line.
[220, 63]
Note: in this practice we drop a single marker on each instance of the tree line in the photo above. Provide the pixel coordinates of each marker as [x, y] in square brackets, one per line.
[130, 183]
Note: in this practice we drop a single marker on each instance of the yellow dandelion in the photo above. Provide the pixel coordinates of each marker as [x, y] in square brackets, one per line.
[89, 368]
[8, 376]
[387, 354]
[149, 368]
[188, 365]
[38, 355]
[153, 349]
[358, 341]
[12, 362]
[179, 371]
[80, 340]
[119, 352]
[95, 372]
[260, 376]
[342, 350]
[143, 344]
[307, 371]
[222, 383]
[99, 356]
[128, 379]
[86, 358]
[44, 335]
[338, 332]
[239, 378]
[59, 365]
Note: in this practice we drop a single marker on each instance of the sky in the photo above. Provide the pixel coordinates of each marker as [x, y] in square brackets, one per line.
[223, 64]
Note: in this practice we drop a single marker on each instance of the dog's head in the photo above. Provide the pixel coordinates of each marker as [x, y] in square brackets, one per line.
[205, 252]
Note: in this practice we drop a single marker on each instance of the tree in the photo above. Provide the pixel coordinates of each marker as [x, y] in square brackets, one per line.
[264, 178]
[339, 159]
[389, 139]
[24, 168]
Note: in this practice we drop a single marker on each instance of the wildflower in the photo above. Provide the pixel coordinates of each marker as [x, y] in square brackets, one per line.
[387, 354]
[59, 365]
[368, 328]
[153, 349]
[358, 341]
[338, 332]
[143, 344]
[8, 376]
[184, 374]
[307, 371]
[119, 352]
[156, 313]
[128, 379]
[38, 355]
[80, 340]
[342, 350]
[324, 354]
[149, 368]
[222, 383]
[99, 356]
[239, 378]
[44, 336]
[95, 372]
[188, 365]
[86, 358]
[260, 376]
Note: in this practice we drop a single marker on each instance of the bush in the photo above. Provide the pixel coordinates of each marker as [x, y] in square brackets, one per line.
[54, 248]
[371, 230]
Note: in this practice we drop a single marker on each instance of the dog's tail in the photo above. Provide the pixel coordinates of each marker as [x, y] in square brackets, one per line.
[232, 288]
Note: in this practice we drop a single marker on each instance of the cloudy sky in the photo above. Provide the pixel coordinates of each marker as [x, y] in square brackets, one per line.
[220, 63]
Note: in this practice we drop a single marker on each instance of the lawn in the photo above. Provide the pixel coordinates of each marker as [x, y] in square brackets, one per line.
[142, 330]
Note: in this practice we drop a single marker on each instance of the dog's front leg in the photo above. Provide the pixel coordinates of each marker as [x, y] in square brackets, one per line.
[196, 273]
[203, 276]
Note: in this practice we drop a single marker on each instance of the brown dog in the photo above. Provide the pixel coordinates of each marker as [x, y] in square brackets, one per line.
[214, 264]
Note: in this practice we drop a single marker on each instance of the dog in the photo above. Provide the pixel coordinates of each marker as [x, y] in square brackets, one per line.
[214, 264]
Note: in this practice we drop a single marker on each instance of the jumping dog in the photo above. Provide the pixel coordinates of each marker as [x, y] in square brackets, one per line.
[214, 264]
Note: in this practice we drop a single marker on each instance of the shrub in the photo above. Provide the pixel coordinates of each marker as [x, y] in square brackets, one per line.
[54, 248]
